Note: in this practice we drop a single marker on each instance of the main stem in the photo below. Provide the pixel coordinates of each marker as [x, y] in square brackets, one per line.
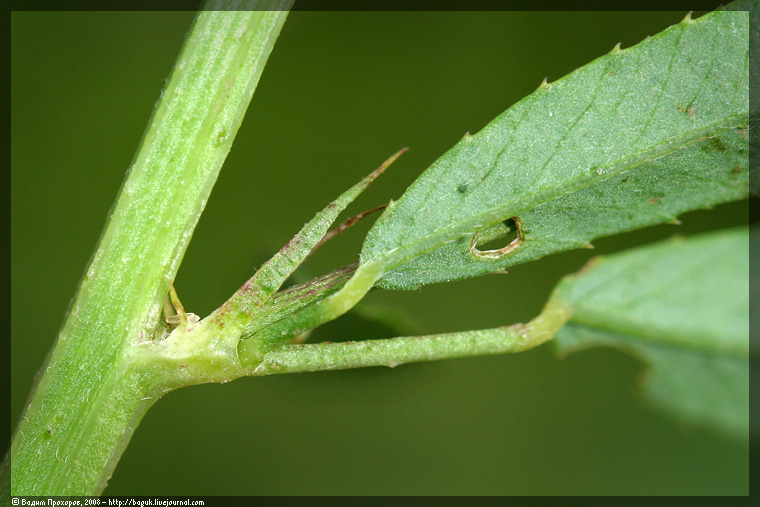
[90, 398]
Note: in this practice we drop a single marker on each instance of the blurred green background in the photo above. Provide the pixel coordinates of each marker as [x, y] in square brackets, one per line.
[341, 92]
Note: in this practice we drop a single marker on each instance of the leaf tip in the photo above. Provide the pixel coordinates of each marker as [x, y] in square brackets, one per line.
[380, 170]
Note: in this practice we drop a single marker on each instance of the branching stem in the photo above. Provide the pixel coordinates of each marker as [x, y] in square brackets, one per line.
[395, 351]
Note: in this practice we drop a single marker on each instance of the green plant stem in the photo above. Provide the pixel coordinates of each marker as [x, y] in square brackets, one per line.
[90, 398]
[395, 351]
[197, 353]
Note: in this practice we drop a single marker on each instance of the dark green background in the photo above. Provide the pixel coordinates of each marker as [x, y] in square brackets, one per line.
[341, 92]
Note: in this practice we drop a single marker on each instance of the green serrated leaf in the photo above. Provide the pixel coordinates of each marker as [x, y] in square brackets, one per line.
[683, 307]
[702, 175]
[692, 387]
[630, 111]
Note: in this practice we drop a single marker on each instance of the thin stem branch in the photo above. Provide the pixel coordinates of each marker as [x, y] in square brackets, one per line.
[392, 352]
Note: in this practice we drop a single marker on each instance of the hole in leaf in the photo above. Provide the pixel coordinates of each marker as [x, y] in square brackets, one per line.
[497, 241]
[497, 236]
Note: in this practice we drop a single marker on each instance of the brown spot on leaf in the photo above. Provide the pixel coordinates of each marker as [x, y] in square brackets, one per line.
[691, 111]
[713, 144]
